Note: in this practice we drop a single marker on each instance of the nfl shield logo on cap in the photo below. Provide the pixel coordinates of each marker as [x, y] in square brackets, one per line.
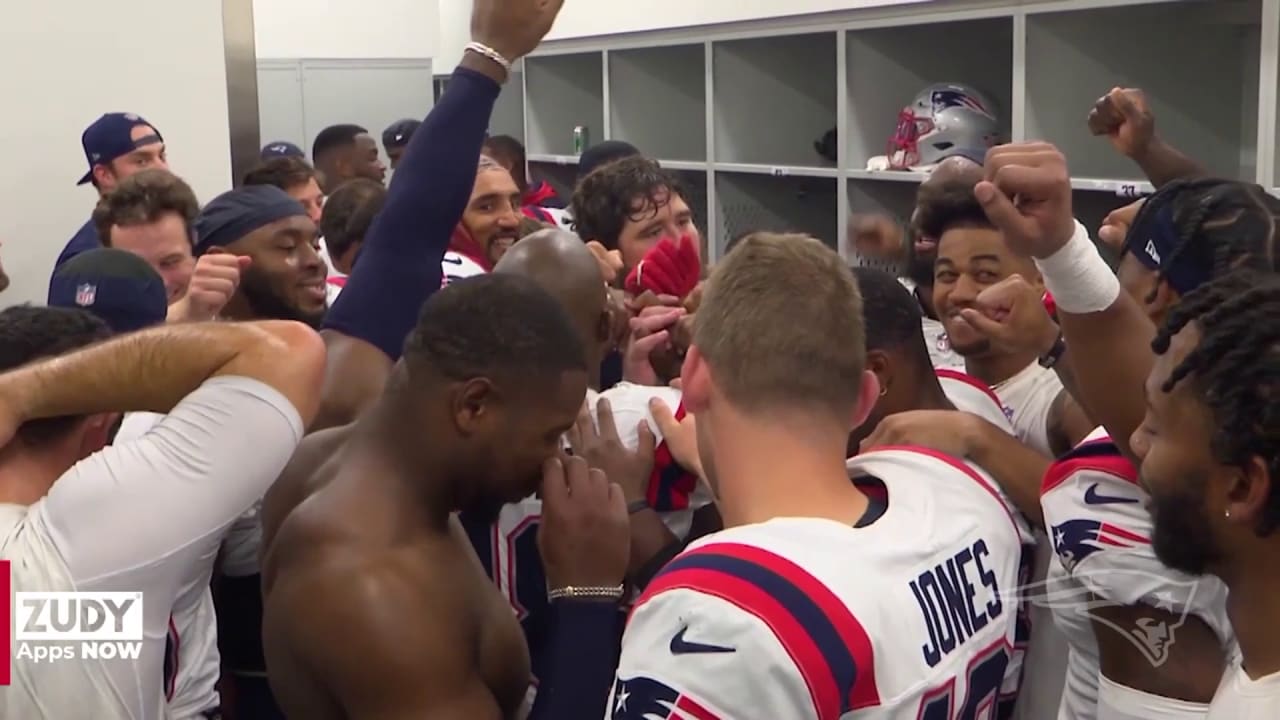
[86, 294]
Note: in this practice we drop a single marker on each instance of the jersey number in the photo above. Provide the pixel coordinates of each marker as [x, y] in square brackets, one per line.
[522, 580]
[982, 690]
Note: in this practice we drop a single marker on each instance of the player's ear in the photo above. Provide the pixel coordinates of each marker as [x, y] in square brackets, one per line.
[1248, 493]
[878, 363]
[97, 431]
[869, 393]
[1165, 297]
[695, 381]
[474, 405]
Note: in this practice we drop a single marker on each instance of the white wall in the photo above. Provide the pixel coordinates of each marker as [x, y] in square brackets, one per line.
[344, 29]
[584, 18]
[455, 32]
[67, 62]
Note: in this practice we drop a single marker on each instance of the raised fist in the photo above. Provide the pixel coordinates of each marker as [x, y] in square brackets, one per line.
[213, 283]
[1026, 193]
[1124, 117]
[513, 27]
[876, 237]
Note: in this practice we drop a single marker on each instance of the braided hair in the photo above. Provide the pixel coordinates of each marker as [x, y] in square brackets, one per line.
[1236, 370]
[1222, 225]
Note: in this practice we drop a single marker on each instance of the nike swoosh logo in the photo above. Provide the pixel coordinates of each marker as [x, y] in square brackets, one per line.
[1092, 497]
[451, 261]
[680, 646]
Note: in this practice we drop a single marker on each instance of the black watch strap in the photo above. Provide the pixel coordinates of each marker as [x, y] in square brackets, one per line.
[1051, 358]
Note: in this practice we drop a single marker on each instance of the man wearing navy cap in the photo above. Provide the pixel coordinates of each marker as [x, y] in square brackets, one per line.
[281, 149]
[396, 138]
[116, 146]
[117, 286]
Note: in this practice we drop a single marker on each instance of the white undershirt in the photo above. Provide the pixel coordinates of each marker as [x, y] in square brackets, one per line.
[137, 516]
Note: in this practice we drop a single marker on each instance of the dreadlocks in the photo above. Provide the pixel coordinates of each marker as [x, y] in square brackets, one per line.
[1236, 369]
[1221, 225]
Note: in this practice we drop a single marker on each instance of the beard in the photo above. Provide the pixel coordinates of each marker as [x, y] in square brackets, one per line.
[267, 304]
[1182, 537]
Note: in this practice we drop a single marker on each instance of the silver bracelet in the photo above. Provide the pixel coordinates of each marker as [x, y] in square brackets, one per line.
[494, 55]
[594, 592]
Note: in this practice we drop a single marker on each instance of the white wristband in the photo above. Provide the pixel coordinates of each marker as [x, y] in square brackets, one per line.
[494, 55]
[1078, 278]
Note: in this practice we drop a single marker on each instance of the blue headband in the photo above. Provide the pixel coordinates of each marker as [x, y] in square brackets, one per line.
[1152, 240]
[234, 214]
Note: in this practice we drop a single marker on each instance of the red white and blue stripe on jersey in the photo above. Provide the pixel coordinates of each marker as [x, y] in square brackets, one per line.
[670, 485]
[828, 646]
[1079, 537]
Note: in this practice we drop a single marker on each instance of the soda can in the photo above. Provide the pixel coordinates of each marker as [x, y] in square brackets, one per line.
[580, 139]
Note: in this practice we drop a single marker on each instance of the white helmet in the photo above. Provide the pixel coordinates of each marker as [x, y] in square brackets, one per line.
[944, 119]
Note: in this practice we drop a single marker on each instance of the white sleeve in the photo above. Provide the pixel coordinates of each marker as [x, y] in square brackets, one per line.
[685, 650]
[133, 506]
[135, 425]
[1101, 531]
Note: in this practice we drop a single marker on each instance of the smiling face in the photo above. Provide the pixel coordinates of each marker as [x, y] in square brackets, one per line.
[151, 155]
[971, 259]
[286, 280]
[165, 244]
[493, 215]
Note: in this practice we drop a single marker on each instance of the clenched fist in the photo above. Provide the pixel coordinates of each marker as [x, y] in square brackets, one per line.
[1124, 117]
[213, 283]
[1026, 192]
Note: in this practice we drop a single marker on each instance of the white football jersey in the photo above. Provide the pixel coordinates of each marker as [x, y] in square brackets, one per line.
[1027, 398]
[935, 337]
[1101, 533]
[192, 664]
[973, 396]
[910, 615]
[1241, 698]
[674, 492]
[456, 266]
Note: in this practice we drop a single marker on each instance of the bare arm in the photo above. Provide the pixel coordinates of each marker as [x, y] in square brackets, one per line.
[1162, 163]
[154, 369]
[1068, 423]
[1018, 468]
[1124, 116]
[356, 374]
[649, 536]
[401, 656]
[1111, 359]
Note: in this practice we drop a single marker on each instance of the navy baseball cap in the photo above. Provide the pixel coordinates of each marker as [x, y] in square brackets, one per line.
[281, 149]
[111, 136]
[399, 133]
[117, 286]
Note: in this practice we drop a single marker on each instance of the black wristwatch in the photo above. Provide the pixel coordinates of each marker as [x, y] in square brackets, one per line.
[1051, 358]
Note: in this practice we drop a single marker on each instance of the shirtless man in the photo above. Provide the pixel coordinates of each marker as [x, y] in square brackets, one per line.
[377, 552]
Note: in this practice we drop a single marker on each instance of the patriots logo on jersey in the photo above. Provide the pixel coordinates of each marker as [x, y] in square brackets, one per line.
[943, 99]
[643, 698]
[1153, 637]
[1075, 540]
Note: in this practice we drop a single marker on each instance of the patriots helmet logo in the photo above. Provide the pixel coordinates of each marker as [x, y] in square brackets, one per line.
[643, 698]
[1075, 540]
[944, 98]
[1153, 636]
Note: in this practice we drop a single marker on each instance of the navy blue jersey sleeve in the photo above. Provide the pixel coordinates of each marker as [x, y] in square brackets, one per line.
[578, 668]
[399, 264]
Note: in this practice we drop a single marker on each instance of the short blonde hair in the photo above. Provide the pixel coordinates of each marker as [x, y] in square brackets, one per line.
[781, 325]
